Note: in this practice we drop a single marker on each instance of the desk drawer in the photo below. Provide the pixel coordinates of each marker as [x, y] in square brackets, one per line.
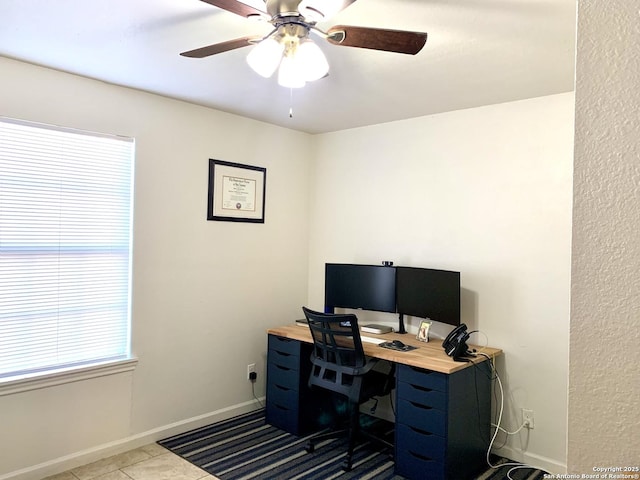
[420, 442]
[422, 395]
[283, 376]
[284, 345]
[284, 359]
[422, 417]
[281, 395]
[283, 417]
[422, 378]
[416, 466]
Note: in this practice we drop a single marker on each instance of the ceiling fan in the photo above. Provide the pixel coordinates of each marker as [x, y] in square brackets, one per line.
[289, 46]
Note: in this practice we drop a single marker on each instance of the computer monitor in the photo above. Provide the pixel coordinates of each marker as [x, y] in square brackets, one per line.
[366, 287]
[428, 293]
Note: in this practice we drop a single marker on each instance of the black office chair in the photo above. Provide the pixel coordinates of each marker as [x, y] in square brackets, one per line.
[340, 366]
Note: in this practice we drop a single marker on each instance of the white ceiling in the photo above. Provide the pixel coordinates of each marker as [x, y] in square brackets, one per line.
[478, 52]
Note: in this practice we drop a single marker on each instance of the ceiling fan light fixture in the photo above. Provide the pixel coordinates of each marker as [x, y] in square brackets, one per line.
[289, 46]
[290, 74]
[265, 57]
[311, 60]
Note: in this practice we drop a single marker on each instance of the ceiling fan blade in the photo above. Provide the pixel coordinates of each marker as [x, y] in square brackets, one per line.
[221, 47]
[346, 3]
[323, 9]
[234, 6]
[398, 41]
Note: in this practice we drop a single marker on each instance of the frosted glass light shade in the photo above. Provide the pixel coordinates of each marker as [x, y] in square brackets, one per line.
[312, 61]
[290, 74]
[265, 57]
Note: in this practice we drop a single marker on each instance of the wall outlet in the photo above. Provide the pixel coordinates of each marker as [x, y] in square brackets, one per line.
[251, 368]
[527, 418]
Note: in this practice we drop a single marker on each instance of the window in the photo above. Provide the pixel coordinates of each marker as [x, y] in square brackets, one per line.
[65, 248]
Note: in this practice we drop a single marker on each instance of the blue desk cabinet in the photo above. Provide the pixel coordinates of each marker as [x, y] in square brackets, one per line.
[290, 404]
[443, 418]
[442, 422]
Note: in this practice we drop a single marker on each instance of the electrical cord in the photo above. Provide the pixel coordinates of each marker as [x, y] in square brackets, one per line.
[486, 338]
[495, 393]
[514, 465]
[393, 407]
[253, 391]
[524, 424]
[477, 367]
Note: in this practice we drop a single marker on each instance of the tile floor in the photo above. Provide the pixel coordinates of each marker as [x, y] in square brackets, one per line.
[151, 462]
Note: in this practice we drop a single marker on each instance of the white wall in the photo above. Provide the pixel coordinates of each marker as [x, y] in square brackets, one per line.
[203, 292]
[604, 395]
[487, 192]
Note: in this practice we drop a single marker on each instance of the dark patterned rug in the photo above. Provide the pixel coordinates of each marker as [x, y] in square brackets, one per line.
[246, 447]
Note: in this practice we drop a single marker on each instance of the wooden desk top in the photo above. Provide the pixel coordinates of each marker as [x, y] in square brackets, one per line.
[429, 355]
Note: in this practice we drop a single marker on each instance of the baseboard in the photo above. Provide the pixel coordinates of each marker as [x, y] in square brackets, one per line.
[62, 464]
[77, 459]
[537, 461]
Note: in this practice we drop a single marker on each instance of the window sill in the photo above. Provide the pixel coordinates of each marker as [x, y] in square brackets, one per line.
[12, 385]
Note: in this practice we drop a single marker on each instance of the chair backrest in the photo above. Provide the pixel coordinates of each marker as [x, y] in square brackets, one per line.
[338, 357]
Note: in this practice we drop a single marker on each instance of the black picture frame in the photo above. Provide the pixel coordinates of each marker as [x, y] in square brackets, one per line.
[236, 193]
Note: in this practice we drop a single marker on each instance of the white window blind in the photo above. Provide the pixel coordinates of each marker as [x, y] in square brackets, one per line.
[65, 248]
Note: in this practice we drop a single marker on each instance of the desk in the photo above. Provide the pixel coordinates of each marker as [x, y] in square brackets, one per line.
[443, 407]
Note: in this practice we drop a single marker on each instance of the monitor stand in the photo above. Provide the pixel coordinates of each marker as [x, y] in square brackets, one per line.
[401, 324]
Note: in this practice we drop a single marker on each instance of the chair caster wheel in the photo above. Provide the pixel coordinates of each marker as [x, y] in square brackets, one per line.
[310, 447]
[346, 466]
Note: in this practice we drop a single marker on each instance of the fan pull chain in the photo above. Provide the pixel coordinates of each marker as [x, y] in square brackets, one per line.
[291, 103]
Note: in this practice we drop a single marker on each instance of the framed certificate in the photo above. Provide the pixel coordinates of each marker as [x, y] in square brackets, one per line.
[236, 192]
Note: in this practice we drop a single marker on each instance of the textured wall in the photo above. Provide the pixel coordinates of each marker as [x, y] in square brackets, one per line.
[604, 377]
